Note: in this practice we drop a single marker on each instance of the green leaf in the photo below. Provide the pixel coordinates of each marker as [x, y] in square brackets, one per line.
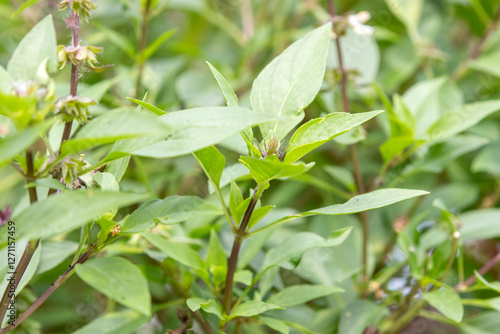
[155, 110]
[369, 201]
[488, 160]
[480, 224]
[276, 324]
[227, 91]
[65, 212]
[118, 279]
[198, 128]
[265, 170]
[112, 126]
[212, 162]
[318, 131]
[153, 47]
[106, 181]
[54, 253]
[258, 214]
[216, 259]
[36, 47]
[456, 121]
[180, 252]
[487, 63]
[207, 305]
[447, 302]
[482, 282]
[118, 39]
[291, 81]
[491, 303]
[300, 294]
[170, 210]
[13, 145]
[5, 81]
[428, 100]
[235, 199]
[123, 322]
[360, 314]
[296, 245]
[251, 308]
[118, 167]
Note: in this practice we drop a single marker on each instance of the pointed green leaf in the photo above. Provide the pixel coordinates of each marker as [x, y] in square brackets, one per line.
[65, 212]
[170, 210]
[258, 214]
[318, 131]
[276, 324]
[155, 110]
[447, 302]
[54, 253]
[251, 308]
[198, 128]
[207, 305]
[291, 81]
[227, 91]
[265, 170]
[235, 199]
[180, 252]
[153, 47]
[458, 120]
[212, 162]
[37, 46]
[300, 294]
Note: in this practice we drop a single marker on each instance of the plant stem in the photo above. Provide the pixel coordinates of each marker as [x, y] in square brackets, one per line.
[478, 48]
[483, 270]
[46, 294]
[75, 41]
[353, 152]
[142, 47]
[233, 258]
[31, 246]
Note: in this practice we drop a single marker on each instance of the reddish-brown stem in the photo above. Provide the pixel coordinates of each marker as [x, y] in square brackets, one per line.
[483, 270]
[353, 150]
[45, 295]
[233, 258]
[73, 90]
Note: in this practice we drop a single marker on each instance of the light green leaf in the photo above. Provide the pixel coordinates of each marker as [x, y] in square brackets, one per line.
[227, 91]
[369, 201]
[487, 63]
[124, 322]
[291, 81]
[235, 199]
[296, 245]
[488, 160]
[491, 303]
[118, 167]
[360, 314]
[258, 214]
[153, 47]
[318, 131]
[180, 252]
[480, 224]
[428, 100]
[170, 210]
[54, 253]
[408, 12]
[300, 294]
[119, 40]
[115, 125]
[37, 46]
[447, 302]
[276, 324]
[482, 282]
[456, 121]
[394, 146]
[13, 145]
[198, 128]
[212, 162]
[106, 181]
[155, 110]
[265, 170]
[65, 212]
[207, 305]
[118, 279]
[215, 255]
[251, 308]
[5, 81]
